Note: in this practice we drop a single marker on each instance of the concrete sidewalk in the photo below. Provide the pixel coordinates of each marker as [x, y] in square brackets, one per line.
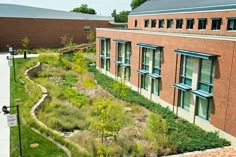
[4, 101]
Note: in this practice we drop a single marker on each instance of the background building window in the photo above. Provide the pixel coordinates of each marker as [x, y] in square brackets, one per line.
[169, 23]
[153, 23]
[202, 23]
[161, 23]
[203, 108]
[184, 100]
[186, 70]
[86, 28]
[206, 76]
[216, 23]
[231, 24]
[146, 23]
[179, 23]
[135, 23]
[190, 23]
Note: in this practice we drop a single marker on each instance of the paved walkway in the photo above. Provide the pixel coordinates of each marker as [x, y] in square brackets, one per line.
[4, 101]
[218, 152]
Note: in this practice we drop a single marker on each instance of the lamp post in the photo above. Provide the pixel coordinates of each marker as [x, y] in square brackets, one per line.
[12, 52]
[5, 110]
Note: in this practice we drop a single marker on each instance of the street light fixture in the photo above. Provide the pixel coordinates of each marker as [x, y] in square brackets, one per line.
[6, 111]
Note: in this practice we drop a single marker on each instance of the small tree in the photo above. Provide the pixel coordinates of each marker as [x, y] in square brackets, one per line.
[107, 118]
[25, 43]
[67, 40]
[136, 3]
[80, 65]
[91, 36]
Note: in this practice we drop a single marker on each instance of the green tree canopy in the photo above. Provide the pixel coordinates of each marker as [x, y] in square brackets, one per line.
[135, 3]
[84, 9]
[122, 17]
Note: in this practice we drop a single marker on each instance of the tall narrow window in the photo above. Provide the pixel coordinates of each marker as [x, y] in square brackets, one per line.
[155, 86]
[231, 24]
[127, 53]
[121, 49]
[127, 73]
[135, 23]
[146, 58]
[146, 23]
[202, 22]
[190, 23]
[179, 23]
[186, 70]
[206, 75]
[161, 23]
[103, 47]
[153, 23]
[157, 61]
[184, 100]
[203, 108]
[169, 23]
[145, 82]
[216, 23]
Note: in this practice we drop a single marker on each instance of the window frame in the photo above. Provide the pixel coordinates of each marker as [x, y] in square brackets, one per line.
[157, 70]
[143, 82]
[160, 23]
[135, 23]
[179, 23]
[208, 109]
[216, 23]
[182, 77]
[189, 23]
[153, 23]
[169, 23]
[158, 87]
[145, 63]
[234, 24]
[127, 55]
[212, 75]
[202, 23]
[146, 23]
[181, 100]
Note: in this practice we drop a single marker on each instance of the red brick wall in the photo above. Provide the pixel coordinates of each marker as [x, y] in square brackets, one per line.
[44, 32]
[224, 82]
[208, 15]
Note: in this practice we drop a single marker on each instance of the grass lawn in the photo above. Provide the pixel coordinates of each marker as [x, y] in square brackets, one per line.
[45, 147]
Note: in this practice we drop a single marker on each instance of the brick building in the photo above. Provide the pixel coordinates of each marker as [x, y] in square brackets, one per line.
[181, 55]
[45, 27]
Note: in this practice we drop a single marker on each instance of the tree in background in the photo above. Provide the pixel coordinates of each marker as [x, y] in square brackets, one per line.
[136, 3]
[91, 36]
[122, 17]
[25, 43]
[84, 9]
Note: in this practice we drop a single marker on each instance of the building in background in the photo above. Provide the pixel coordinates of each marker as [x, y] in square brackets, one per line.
[45, 27]
[181, 55]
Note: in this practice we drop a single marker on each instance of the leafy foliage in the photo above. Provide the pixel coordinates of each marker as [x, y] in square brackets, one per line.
[91, 36]
[84, 9]
[187, 136]
[80, 63]
[121, 17]
[25, 43]
[67, 40]
[136, 3]
[107, 118]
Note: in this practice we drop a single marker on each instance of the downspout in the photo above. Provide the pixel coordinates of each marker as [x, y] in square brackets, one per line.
[176, 63]
[227, 104]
